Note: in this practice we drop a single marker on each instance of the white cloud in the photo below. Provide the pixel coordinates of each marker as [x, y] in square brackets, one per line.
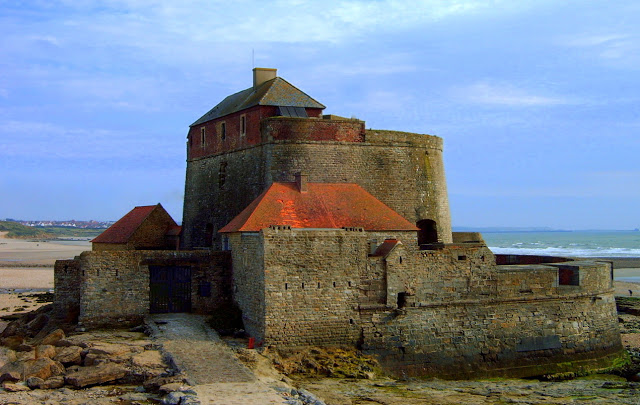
[616, 49]
[504, 94]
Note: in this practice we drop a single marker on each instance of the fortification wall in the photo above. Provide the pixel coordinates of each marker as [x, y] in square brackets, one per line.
[311, 286]
[112, 287]
[304, 129]
[403, 170]
[249, 281]
[487, 338]
[66, 280]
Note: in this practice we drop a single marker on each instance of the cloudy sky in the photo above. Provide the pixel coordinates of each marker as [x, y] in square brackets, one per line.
[537, 101]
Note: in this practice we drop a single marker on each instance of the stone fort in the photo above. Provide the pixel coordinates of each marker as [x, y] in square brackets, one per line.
[325, 233]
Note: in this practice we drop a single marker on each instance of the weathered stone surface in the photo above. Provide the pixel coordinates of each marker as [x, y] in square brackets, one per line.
[12, 341]
[37, 323]
[154, 384]
[53, 337]
[9, 330]
[108, 349]
[6, 356]
[171, 387]
[24, 348]
[52, 383]
[45, 351]
[96, 375]
[43, 368]
[15, 387]
[149, 359]
[10, 375]
[69, 355]
[34, 382]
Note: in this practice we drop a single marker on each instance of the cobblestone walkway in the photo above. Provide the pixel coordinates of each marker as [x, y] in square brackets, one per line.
[208, 363]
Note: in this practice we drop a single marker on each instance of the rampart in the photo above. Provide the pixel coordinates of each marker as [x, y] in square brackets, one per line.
[446, 312]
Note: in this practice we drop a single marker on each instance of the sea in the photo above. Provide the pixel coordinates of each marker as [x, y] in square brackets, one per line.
[623, 244]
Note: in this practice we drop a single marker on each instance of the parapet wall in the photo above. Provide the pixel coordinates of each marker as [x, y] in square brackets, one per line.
[305, 129]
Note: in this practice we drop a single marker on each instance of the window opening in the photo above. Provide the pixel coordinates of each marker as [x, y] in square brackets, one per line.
[223, 131]
[203, 138]
[208, 235]
[222, 174]
[428, 232]
[402, 299]
[243, 125]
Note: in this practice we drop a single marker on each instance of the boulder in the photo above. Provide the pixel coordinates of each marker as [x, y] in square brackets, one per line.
[24, 348]
[108, 349]
[15, 387]
[95, 375]
[10, 330]
[45, 351]
[34, 382]
[69, 355]
[36, 325]
[64, 343]
[6, 356]
[149, 359]
[53, 383]
[12, 371]
[10, 376]
[53, 337]
[154, 384]
[13, 341]
[43, 368]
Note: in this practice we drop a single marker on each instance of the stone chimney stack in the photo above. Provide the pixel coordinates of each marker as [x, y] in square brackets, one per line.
[261, 75]
[301, 182]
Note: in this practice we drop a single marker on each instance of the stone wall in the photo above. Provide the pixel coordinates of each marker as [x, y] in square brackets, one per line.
[112, 287]
[404, 171]
[67, 277]
[446, 312]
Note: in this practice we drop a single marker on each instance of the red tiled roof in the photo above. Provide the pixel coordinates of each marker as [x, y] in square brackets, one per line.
[386, 247]
[123, 229]
[324, 205]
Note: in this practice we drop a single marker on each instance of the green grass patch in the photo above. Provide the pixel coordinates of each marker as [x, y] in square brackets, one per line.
[19, 231]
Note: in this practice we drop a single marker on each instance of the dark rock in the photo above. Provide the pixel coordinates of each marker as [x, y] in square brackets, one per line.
[34, 382]
[53, 383]
[10, 375]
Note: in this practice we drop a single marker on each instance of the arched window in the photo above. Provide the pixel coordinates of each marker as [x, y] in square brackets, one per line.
[428, 232]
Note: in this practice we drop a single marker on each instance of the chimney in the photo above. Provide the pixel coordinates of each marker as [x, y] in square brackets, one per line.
[261, 75]
[301, 182]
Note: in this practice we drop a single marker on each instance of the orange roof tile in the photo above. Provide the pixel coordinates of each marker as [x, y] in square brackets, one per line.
[123, 229]
[324, 205]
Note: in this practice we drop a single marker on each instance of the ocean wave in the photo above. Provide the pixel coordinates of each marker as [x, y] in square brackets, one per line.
[567, 251]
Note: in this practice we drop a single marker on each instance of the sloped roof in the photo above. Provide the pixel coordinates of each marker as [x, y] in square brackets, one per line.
[124, 228]
[386, 247]
[274, 92]
[324, 205]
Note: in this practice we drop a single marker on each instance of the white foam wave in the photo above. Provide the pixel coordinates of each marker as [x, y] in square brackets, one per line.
[563, 251]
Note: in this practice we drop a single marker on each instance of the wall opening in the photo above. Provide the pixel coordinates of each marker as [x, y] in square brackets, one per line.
[402, 299]
[428, 232]
[569, 276]
[208, 235]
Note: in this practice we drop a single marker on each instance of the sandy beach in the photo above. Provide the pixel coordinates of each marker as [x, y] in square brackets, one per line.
[27, 266]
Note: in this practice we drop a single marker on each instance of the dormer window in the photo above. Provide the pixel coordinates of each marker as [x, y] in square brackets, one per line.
[243, 125]
[203, 138]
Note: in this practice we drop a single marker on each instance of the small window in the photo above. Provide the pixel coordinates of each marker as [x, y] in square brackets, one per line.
[569, 276]
[462, 257]
[243, 125]
[223, 131]
[222, 174]
[203, 137]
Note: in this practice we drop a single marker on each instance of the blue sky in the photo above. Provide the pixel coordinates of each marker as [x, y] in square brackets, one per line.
[537, 101]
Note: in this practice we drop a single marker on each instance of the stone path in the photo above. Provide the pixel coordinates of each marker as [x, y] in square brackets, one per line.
[208, 363]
